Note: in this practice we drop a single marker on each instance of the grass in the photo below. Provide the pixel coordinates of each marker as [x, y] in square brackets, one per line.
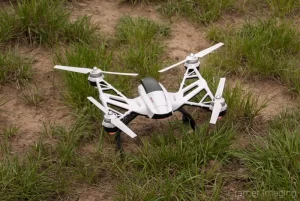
[77, 86]
[70, 138]
[5, 135]
[14, 68]
[47, 171]
[174, 164]
[177, 167]
[243, 106]
[265, 48]
[33, 95]
[88, 168]
[44, 22]
[27, 181]
[274, 159]
[30, 178]
[142, 49]
[3, 101]
[200, 11]
[284, 7]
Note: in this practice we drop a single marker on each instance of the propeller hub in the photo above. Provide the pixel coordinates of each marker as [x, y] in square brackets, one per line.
[192, 61]
[218, 97]
[96, 73]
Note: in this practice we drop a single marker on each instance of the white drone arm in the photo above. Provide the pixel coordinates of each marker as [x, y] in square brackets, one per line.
[186, 93]
[119, 100]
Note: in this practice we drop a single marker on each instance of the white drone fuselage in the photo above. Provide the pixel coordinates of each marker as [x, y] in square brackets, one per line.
[154, 101]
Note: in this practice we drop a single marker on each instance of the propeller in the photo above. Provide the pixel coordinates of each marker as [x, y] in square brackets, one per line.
[114, 120]
[199, 54]
[88, 70]
[218, 102]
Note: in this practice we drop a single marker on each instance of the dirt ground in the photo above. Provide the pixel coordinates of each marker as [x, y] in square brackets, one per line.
[185, 39]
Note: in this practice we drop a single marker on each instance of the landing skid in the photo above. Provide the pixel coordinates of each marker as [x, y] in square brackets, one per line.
[186, 118]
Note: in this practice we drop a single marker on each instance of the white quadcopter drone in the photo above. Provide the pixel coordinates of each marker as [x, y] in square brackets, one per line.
[154, 101]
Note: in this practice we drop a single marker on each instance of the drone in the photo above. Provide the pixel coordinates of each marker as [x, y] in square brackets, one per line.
[154, 101]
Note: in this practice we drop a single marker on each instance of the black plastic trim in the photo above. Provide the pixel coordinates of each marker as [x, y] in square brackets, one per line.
[150, 85]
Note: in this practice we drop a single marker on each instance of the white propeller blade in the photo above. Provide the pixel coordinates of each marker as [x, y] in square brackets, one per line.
[115, 121]
[221, 86]
[88, 70]
[218, 100]
[73, 69]
[216, 111]
[101, 107]
[116, 73]
[208, 50]
[118, 123]
[199, 54]
[174, 65]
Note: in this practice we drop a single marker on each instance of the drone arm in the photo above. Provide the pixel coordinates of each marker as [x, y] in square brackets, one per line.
[118, 100]
[101, 93]
[185, 94]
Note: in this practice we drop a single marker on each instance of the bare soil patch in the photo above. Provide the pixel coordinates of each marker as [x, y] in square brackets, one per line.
[29, 118]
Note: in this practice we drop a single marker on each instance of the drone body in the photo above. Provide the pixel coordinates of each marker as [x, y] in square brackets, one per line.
[154, 101]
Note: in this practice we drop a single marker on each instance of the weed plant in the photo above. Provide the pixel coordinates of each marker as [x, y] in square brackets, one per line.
[44, 22]
[14, 68]
[171, 167]
[140, 39]
[267, 48]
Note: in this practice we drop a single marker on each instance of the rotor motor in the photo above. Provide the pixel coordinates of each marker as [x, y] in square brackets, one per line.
[94, 74]
[192, 62]
[107, 125]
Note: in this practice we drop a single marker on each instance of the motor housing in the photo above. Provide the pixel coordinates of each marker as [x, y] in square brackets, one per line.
[94, 74]
[107, 125]
[192, 62]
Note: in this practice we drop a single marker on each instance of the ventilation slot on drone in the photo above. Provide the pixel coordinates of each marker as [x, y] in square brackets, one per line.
[115, 99]
[116, 108]
[190, 90]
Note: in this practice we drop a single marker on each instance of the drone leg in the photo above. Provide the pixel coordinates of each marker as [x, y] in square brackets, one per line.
[118, 138]
[187, 118]
[119, 143]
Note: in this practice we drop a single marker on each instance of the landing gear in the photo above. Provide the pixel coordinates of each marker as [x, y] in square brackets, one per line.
[118, 138]
[187, 118]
